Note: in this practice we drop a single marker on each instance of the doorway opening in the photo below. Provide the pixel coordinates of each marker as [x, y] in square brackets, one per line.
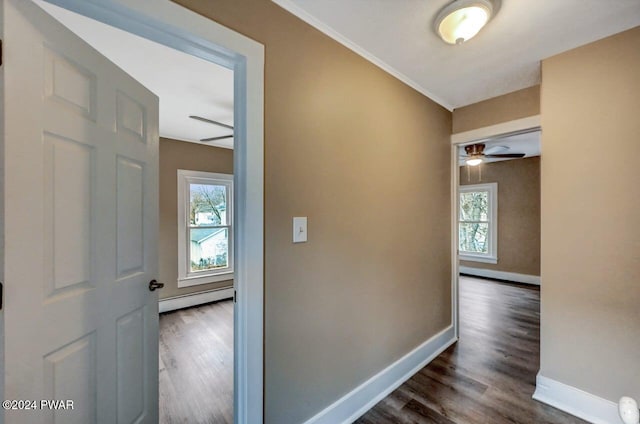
[496, 254]
[480, 234]
[224, 265]
[498, 221]
[498, 231]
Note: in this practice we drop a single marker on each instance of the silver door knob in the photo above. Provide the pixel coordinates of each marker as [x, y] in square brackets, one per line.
[153, 284]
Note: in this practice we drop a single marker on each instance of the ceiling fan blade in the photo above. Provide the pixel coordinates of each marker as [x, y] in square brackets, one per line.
[494, 150]
[210, 121]
[222, 137]
[507, 155]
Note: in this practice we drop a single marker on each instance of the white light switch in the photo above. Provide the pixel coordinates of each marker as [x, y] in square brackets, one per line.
[299, 229]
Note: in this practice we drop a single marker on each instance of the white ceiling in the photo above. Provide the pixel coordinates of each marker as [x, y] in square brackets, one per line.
[398, 36]
[185, 84]
[527, 143]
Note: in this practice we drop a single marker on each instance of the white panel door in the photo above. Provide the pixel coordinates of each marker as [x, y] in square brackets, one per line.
[81, 163]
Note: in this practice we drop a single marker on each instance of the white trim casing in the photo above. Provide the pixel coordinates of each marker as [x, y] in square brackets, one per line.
[576, 402]
[2, 201]
[298, 11]
[354, 404]
[472, 258]
[455, 204]
[186, 301]
[170, 24]
[196, 281]
[501, 275]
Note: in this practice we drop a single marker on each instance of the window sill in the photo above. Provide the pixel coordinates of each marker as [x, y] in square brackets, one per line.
[484, 259]
[205, 279]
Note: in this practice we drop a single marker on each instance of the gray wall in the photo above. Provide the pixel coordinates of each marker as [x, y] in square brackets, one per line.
[518, 213]
[590, 334]
[176, 155]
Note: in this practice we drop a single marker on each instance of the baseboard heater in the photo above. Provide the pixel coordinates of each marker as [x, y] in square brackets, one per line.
[193, 299]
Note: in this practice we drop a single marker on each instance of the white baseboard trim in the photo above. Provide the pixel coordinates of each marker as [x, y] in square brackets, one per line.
[354, 404]
[173, 303]
[576, 402]
[500, 275]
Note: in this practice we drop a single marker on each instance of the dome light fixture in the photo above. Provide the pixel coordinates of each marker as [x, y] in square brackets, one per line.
[461, 20]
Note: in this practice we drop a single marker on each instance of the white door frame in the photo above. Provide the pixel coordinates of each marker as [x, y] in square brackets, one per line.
[175, 26]
[531, 123]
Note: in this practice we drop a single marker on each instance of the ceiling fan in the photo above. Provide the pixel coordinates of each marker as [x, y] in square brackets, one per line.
[211, 121]
[475, 154]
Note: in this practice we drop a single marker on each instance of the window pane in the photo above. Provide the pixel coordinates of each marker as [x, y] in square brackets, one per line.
[208, 204]
[474, 206]
[473, 238]
[209, 248]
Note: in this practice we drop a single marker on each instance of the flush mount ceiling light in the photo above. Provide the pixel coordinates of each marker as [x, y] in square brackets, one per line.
[461, 20]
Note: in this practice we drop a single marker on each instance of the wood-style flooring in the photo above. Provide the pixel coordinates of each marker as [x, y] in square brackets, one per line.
[488, 377]
[196, 365]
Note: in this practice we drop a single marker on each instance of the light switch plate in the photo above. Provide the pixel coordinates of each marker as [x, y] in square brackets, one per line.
[299, 229]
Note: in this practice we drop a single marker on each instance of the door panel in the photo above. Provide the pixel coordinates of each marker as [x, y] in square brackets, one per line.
[131, 118]
[131, 359]
[130, 218]
[80, 155]
[70, 84]
[70, 374]
[68, 170]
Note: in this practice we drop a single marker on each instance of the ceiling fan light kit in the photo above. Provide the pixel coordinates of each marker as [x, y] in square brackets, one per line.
[473, 161]
[476, 154]
[461, 20]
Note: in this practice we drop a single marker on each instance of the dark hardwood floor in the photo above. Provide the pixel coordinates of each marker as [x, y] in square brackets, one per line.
[487, 377]
[196, 365]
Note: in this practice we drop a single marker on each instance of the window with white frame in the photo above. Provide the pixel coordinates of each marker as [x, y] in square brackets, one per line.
[478, 222]
[205, 227]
